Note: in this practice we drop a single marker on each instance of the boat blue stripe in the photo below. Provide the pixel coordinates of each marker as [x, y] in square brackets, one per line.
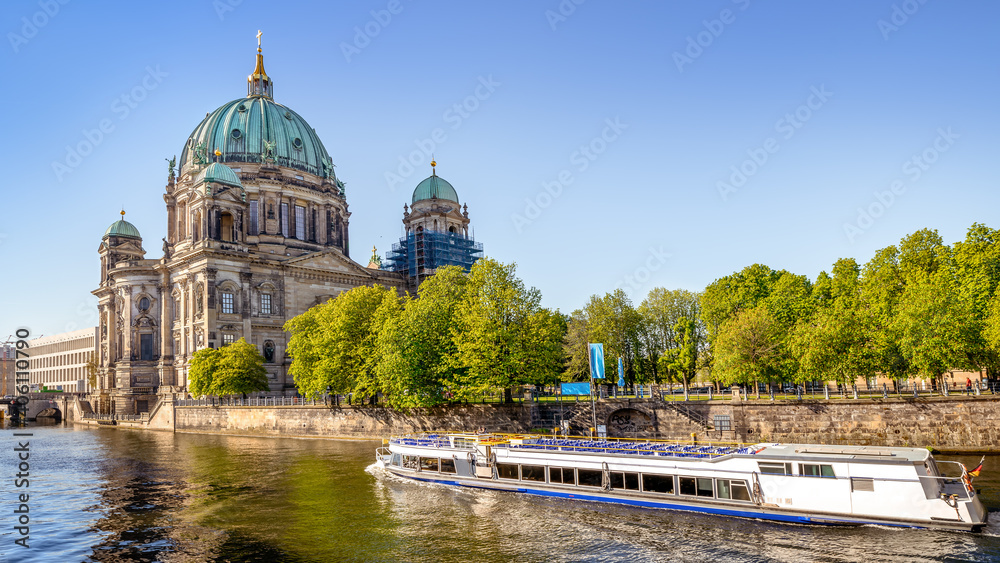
[829, 521]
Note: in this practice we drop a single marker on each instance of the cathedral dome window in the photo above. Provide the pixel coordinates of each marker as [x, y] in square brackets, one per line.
[297, 143]
[236, 133]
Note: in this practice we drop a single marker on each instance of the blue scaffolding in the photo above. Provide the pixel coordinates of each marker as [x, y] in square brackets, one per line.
[423, 251]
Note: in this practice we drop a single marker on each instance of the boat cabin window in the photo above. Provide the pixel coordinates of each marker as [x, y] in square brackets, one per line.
[590, 477]
[627, 481]
[816, 470]
[775, 468]
[464, 443]
[734, 489]
[447, 465]
[428, 464]
[562, 475]
[696, 486]
[533, 473]
[397, 460]
[658, 483]
[507, 470]
[410, 461]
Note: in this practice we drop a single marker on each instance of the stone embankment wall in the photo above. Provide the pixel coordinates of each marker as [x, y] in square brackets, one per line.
[956, 424]
[952, 424]
[361, 422]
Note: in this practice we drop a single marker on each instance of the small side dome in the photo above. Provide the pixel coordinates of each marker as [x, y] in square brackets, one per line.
[220, 174]
[122, 228]
[434, 186]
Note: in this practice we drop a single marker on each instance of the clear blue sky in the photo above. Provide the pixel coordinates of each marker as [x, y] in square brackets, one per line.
[837, 102]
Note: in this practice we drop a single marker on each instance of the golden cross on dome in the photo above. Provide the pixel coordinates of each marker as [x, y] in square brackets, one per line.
[258, 39]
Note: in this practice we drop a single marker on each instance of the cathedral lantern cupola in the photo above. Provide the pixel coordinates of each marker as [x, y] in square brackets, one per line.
[259, 83]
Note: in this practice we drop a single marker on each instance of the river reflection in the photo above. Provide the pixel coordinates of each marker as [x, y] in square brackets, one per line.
[113, 495]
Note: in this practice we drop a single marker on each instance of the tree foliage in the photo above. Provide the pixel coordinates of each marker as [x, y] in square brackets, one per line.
[502, 335]
[235, 369]
[460, 336]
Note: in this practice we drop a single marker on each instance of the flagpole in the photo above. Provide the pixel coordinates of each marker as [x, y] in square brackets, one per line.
[593, 402]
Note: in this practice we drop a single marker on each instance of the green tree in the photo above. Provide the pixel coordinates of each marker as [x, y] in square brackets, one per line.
[747, 347]
[835, 342]
[240, 370]
[929, 324]
[977, 272]
[664, 333]
[502, 335]
[577, 366]
[614, 322]
[415, 344]
[201, 372]
[334, 344]
[929, 321]
[881, 290]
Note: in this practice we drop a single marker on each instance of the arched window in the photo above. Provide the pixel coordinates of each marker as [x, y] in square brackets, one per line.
[226, 227]
[181, 221]
[196, 227]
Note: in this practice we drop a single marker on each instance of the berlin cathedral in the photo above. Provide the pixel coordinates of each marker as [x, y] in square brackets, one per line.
[257, 233]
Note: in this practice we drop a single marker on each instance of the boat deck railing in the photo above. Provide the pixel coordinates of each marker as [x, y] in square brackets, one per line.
[426, 440]
[636, 448]
[577, 444]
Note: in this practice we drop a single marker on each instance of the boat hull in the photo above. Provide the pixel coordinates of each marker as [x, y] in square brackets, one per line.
[775, 514]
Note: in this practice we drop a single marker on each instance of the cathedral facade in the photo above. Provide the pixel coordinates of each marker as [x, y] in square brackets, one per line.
[257, 233]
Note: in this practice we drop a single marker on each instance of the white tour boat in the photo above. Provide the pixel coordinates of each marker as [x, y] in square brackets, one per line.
[809, 484]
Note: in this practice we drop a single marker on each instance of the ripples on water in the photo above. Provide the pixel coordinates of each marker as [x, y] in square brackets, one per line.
[113, 495]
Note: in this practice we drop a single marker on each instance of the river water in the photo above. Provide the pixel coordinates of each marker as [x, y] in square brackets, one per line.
[115, 495]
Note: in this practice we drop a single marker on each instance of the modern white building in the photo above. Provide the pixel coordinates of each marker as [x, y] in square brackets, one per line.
[60, 361]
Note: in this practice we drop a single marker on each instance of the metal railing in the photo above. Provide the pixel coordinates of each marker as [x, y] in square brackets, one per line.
[251, 402]
[132, 417]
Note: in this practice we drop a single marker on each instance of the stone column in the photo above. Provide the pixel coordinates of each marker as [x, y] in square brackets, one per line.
[126, 293]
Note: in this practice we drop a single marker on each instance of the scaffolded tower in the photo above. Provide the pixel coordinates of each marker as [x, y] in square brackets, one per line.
[437, 232]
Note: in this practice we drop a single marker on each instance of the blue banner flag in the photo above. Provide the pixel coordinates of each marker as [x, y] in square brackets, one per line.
[621, 372]
[597, 361]
[575, 388]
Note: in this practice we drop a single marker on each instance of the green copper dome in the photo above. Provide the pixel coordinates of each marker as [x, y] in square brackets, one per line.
[250, 129]
[219, 173]
[122, 228]
[432, 187]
